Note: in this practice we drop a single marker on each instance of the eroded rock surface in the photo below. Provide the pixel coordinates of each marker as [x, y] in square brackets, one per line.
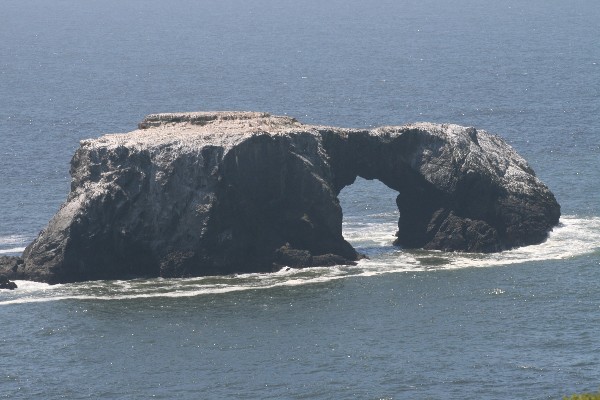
[191, 194]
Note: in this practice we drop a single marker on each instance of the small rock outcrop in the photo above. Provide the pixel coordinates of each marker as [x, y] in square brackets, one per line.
[6, 284]
[190, 194]
[8, 267]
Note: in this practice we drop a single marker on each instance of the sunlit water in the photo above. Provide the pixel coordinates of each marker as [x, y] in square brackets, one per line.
[399, 324]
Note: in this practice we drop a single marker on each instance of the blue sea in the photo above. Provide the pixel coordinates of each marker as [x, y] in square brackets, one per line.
[523, 324]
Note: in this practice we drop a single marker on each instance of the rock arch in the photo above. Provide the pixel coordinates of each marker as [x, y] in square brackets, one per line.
[462, 190]
[191, 194]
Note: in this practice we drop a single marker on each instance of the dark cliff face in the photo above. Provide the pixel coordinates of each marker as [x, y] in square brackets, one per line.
[219, 193]
[274, 196]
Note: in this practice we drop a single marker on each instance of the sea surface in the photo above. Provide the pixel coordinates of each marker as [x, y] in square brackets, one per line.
[523, 324]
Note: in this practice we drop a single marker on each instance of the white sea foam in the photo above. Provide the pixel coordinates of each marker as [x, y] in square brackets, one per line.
[14, 250]
[35, 286]
[13, 244]
[573, 238]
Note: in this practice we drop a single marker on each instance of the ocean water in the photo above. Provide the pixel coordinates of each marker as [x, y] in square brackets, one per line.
[400, 325]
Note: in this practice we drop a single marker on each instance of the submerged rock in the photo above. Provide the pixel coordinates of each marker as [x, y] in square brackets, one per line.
[192, 194]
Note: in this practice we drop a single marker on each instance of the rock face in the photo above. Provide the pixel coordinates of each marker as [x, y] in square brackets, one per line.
[192, 194]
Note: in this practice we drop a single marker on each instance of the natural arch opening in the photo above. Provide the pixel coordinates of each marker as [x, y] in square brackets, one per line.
[370, 215]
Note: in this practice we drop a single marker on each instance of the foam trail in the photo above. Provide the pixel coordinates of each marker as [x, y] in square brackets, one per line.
[574, 237]
[34, 292]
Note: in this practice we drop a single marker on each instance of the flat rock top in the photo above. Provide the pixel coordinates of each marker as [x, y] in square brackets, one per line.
[188, 131]
[226, 128]
[221, 128]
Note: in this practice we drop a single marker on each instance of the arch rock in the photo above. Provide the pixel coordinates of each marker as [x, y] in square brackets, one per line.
[207, 193]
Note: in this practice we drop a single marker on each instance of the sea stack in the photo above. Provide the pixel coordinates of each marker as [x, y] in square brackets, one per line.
[212, 193]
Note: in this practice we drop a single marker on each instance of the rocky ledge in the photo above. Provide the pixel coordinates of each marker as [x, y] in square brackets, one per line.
[190, 194]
